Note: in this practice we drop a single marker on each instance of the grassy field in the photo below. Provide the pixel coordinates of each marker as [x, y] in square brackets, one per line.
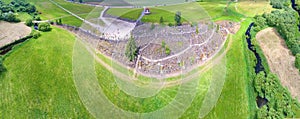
[189, 11]
[24, 16]
[252, 8]
[50, 11]
[38, 82]
[235, 101]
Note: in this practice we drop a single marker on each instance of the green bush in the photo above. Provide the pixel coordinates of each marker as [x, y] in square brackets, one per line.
[45, 26]
[280, 101]
[28, 22]
[161, 20]
[297, 61]
[168, 51]
[35, 34]
[2, 68]
[177, 18]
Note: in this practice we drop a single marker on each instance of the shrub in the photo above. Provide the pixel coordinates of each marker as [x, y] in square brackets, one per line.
[45, 26]
[2, 68]
[170, 25]
[297, 61]
[28, 22]
[161, 20]
[168, 51]
[177, 18]
[35, 34]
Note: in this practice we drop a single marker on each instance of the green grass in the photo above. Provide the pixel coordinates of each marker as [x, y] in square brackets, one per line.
[51, 12]
[123, 11]
[235, 101]
[6, 1]
[75, 8]
[217, 10]
[128, 102]
[38, 82]
[24, 16]
[252, 8]
[190, 12]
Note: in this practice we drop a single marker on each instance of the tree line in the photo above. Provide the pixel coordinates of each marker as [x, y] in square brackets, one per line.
[267, 85]
[280, 102]
[286, 21]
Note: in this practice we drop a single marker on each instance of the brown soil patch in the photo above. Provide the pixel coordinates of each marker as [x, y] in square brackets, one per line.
[10, 32]
[232, 27]
[280, 59]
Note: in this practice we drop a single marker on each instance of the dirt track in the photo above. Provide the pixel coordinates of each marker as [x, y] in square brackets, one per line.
[280, 59]
[9, 32]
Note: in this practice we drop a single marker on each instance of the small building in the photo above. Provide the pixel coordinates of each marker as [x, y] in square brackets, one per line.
[147, 11]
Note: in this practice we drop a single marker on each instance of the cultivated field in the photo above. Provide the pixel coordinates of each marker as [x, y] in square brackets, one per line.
[280, 59]
[9, 32]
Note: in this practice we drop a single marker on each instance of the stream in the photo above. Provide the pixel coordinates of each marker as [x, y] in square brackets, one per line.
[258, 67]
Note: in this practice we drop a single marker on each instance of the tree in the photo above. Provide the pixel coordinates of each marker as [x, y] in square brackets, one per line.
[259, 83]
[10, 17]
[161, 20]
[45, 26]
[177, 18]
[30, 8]
[28, 22]
[131, 49]
[80, 1]
[58, 21]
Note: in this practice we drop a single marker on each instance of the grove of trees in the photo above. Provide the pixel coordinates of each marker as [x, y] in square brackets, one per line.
[8, 11]
[280, 102]
[285, 20]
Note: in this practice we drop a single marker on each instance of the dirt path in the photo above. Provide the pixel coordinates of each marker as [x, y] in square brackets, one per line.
[280, 59]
